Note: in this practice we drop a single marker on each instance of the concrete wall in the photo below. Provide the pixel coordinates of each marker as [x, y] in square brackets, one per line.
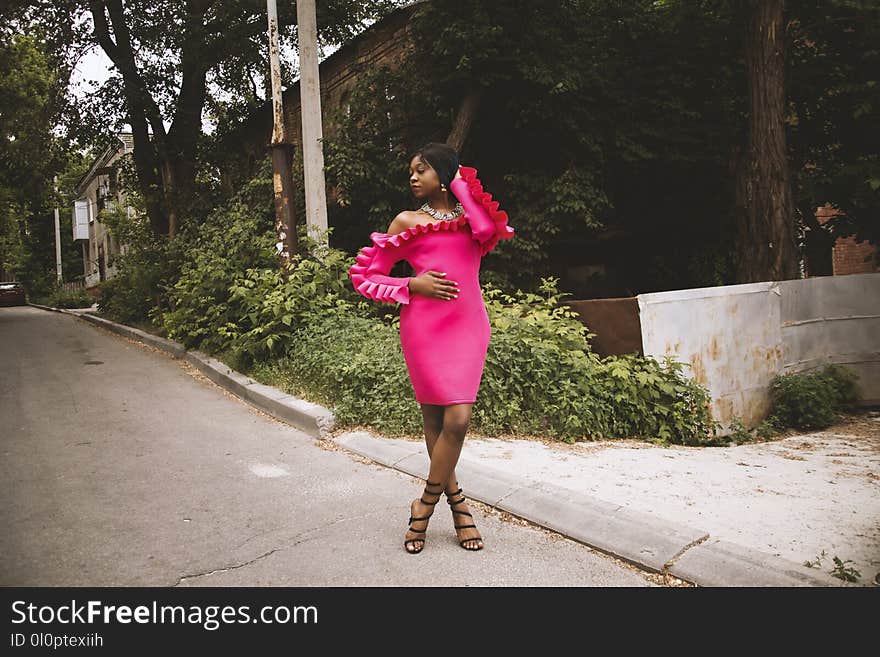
[833, 319]
[737, 338]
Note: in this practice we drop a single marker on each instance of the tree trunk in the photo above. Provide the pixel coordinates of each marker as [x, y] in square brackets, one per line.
[766, 246]
[467, 112]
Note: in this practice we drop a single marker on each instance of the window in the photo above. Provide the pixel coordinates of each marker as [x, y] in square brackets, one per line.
[81, 219]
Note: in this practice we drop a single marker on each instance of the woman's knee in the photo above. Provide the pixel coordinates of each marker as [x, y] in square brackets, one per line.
[456, 425]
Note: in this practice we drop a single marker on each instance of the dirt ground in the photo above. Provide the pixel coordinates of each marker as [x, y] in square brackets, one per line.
[804, 496]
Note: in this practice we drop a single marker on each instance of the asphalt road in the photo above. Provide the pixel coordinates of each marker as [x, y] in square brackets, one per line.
[124, 467]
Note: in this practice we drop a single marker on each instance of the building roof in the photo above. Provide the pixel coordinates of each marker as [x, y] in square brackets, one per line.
[345, 51]
[123, 140]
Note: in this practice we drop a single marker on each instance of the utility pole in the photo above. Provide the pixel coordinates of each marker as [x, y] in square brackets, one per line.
[58, 272]
[282, 150]
[310, 110]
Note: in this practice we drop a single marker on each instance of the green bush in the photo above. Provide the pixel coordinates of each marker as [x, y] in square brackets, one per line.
[812, 400]
[766, 429]
[59, 298]
[138, 289]
[738, 432]
[354, 365]
[270, 306]
[657, 400]
[232, 296]
[136, 293]
[230, 243]
[845, 383]
[540, 376]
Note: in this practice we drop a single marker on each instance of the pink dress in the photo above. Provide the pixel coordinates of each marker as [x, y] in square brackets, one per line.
[444, 341]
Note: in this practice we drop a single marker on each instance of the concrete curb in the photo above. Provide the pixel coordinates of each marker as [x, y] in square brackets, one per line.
[642, 539]
[639, 538]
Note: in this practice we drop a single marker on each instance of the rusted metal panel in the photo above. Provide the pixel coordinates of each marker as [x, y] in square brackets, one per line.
[729, 337]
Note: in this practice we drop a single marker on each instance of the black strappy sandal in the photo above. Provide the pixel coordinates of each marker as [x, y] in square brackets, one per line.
[463, 513]
[412, 519]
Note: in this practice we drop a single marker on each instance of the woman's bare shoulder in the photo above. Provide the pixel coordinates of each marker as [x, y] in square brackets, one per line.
[403, 221]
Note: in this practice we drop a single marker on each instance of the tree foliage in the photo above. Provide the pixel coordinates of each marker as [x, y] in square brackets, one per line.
[834, 94]
[608, 130]
[32, 92]
[165, 56]
[611, 130]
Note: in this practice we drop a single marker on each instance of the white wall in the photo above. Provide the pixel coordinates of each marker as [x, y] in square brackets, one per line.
[833, 319]
[736, 338]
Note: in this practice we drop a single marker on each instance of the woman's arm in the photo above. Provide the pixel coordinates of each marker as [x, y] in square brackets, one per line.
[487, 221]
[370, 276]
[482, 225]
[372, 265]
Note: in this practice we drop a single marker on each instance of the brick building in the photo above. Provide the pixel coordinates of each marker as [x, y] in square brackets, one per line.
[847, 255]
[381, 43]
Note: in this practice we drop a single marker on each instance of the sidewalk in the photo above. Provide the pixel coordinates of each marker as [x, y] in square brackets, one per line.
[746, 515]
[737, 516]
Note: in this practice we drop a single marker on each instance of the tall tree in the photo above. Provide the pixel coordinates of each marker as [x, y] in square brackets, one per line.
[766, 248]
[834, 140]
[165, 53]
[31, 98]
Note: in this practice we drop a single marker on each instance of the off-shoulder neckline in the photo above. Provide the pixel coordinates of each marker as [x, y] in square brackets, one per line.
[425, 227]
[417, 226]
[429, 223]
[461, 219]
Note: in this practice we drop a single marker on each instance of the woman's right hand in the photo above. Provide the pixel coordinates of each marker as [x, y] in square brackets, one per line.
[434, 284]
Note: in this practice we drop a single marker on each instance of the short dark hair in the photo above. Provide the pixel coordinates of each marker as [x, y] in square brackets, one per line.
[443, 158]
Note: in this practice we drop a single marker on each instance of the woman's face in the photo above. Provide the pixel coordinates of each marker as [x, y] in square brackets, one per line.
[423, 180]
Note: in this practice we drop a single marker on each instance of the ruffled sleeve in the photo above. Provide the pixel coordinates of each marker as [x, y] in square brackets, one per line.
[369, 274]
[488, 223]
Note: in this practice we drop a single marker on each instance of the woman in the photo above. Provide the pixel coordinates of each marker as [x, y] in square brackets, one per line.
[444, 325]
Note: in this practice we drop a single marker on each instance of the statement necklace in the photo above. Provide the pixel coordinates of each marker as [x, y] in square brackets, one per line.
[443, 216]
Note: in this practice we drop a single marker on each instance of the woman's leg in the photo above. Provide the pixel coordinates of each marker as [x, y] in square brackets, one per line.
[432, 415]
[433, 420]
[444, 457]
